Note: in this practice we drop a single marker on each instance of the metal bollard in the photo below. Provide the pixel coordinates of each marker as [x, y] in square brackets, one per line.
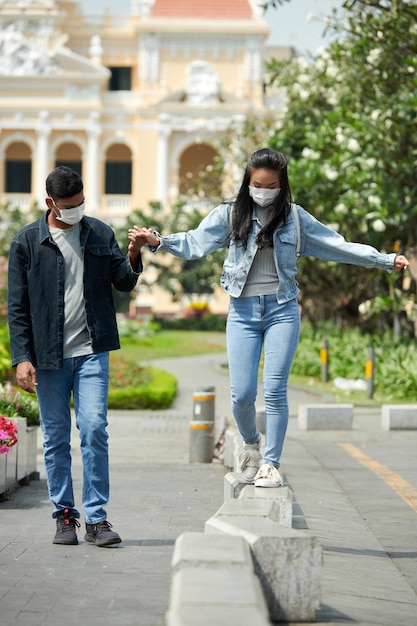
[202, 427]
[324, 359]
[369, 373]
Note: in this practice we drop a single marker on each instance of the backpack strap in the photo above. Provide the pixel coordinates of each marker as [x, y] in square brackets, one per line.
[297, 227]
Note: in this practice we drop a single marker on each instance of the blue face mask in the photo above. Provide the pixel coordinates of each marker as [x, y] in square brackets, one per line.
[263, 197]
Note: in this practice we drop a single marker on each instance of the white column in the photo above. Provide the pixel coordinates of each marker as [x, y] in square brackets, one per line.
[93, 132]
[43, 131]
[162, 162]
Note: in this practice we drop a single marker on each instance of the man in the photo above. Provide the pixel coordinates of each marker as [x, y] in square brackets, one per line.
[62, 324]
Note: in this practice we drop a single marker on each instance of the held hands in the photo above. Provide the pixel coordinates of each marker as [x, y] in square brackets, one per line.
[138, 238]
[400, 263]
[145, 235]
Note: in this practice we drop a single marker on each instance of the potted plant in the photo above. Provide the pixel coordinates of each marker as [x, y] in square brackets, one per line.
[18, 463]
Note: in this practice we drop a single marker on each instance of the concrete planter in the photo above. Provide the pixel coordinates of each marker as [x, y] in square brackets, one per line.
[3, 470]
[19, 466]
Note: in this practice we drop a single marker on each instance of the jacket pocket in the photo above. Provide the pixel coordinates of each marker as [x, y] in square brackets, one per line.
[287, 246]
[101, 257]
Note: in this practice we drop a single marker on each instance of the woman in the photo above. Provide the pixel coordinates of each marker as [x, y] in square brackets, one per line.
[263, 236]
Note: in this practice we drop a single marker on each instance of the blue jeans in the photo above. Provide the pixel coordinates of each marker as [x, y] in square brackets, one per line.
[254, 322]
[87, 379]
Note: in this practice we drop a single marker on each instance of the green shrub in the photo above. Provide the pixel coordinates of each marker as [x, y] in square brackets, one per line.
[158, 393]
[209, 322]
[6, 370]
[395, 369]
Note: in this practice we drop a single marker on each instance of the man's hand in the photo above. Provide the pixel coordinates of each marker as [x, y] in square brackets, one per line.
[146, 233]
[26, 376]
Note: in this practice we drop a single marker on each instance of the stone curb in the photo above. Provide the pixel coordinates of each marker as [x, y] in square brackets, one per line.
[399, 417]
[214, 582]
[286, 568]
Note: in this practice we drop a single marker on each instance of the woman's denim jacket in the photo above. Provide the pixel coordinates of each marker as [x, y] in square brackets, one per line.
[37, 285]
[316, 240]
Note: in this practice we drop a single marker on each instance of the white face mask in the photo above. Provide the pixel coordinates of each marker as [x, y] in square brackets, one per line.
[70, 216]
[263, 197]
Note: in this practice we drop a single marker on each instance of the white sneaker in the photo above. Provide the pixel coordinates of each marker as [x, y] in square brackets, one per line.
[268, 476]
[250, 460]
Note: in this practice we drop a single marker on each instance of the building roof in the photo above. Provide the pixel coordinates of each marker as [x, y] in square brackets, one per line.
[208, 9]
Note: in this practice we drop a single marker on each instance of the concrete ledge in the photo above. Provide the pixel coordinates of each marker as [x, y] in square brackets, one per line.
[233, 485]
[282, 495]
[245, 507]
[214, 582]
[190, 615]
[325, 416]
[287, 561]
[193, 549]
[230, 437]
[399, 416]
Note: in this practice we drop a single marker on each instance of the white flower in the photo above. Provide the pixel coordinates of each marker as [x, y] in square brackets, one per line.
[320, 64]
[369, 163]
[374, 55]
[330, 173]
[379, 226]
[323, 52]
[375, 114]
[365, 307]
[340, 208]
[374, 201]
[332, 71]
[340, 138]
[310, 17]
[353, 145]
[410, 69]
[332, 98]
[308, 153]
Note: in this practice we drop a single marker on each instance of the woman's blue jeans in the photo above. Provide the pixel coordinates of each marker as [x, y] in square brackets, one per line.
[87, 379]
[254, 322]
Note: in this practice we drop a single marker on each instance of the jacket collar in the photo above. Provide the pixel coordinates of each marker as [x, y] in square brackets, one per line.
[45, 233]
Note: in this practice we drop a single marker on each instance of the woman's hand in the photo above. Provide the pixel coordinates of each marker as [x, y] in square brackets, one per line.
[145, 235]
[400, 263]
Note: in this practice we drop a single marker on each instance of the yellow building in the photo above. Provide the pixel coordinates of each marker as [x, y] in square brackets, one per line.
[135, 104]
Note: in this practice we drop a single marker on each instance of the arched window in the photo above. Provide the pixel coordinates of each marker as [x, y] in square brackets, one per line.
[197, 173]
[18, 168]
[118, 170]
[69, 154]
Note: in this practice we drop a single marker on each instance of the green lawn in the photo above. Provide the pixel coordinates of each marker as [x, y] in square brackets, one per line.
[172, 343]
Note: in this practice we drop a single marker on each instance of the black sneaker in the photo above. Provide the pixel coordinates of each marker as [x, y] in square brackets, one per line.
[101, 534]
[66, 529]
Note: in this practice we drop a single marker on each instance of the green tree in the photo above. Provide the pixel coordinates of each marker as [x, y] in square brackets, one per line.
[177, 276]
[349, 129]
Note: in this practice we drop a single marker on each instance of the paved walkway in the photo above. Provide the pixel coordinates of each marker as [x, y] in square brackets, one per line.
[360, 500]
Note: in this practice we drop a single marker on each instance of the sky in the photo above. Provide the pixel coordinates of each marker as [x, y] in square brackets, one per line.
[289, 24]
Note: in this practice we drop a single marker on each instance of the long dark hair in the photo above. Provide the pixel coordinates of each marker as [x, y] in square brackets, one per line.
[242, 208]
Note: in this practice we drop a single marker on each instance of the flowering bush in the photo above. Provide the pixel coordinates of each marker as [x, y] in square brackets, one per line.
[16, 403]
[124, 373]
[196, 310]
[8, 434]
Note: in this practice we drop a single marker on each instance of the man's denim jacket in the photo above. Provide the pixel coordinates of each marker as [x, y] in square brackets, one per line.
[316, 240]
[37, 284]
